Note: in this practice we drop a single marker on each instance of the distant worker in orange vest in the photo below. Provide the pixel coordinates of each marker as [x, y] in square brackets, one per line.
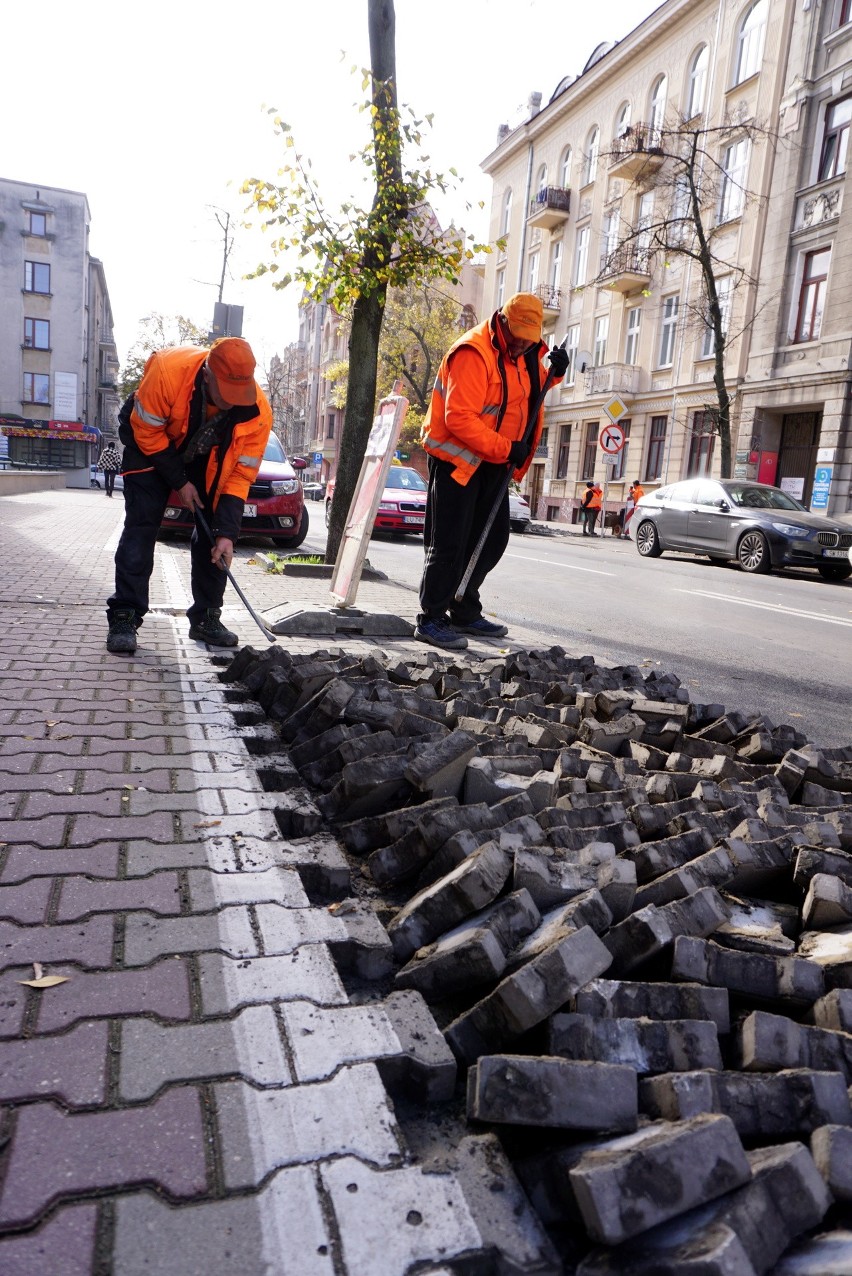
[633, 496]
[592, 501]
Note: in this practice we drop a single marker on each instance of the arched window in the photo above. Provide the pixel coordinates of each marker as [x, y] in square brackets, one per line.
[593, 146]
[507, 212]
[657, 109]
[622, 120]
[565, 169]
[697, 82]
[541, 179]
[752, 33]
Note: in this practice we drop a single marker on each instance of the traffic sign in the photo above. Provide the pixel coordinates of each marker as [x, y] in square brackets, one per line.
[615, 408]
[611, 439]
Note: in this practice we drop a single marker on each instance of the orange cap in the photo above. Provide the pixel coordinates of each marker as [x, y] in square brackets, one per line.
[523, 313]
[232, 363]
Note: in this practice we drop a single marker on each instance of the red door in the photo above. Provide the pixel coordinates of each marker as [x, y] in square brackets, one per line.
[767, 467]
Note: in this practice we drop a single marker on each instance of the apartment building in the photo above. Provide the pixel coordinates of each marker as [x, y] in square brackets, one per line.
[58, 358]
[574, 185]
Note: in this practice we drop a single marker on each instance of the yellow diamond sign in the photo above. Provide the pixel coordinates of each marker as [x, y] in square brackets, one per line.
[615, 408]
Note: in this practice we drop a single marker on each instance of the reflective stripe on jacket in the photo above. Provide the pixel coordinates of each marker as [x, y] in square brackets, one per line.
[161, 412]
[480, 403]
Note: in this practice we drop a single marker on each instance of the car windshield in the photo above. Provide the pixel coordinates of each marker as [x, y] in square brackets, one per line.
[409, 479]
[274, 451]
[763, 498]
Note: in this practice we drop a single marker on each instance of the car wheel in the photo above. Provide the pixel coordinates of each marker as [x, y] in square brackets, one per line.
[518, 527]
[648, 540]
[835, 571]
[293, 542]
[753, 553]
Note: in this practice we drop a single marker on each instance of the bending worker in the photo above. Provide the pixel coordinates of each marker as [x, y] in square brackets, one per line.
[487, 385]
[198, 424]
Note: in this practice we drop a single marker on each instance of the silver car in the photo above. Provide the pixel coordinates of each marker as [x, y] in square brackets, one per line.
[758, 525]
[519, 512]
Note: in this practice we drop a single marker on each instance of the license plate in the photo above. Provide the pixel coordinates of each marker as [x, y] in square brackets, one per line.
[835, 553]
[249, 511]
[413, 518]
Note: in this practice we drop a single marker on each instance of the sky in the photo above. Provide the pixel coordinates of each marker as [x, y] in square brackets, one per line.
[158, 113]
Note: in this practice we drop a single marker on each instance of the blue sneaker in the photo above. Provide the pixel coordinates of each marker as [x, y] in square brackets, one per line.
[439, 634]
[482, 628]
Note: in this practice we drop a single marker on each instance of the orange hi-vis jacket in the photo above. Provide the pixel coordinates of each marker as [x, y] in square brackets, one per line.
[594, 501]
[160, 420]
[480, 403]
[638, 493]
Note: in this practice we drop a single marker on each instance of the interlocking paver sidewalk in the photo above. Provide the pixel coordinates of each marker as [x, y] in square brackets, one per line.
[163, 1110]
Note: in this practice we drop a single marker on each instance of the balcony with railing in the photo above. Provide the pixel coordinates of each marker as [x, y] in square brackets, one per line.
[611, 378]
[627, 269]
[637, 153]
[551, 299]
[549, 207]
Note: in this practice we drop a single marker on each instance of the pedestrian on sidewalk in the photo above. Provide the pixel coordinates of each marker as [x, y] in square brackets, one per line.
[109, 462]
[592, 501]
[488, 383]
[198, 424]
[634, 494]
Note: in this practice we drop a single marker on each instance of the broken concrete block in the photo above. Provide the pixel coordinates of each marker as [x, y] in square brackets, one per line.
[610, 736]
[469, 887]
[832, 951]
[613, 999]
[769, 1043]
[751, 974]
[510, 1089]
[438, 768]
[828, 903]
[653, 859]
[473, 952]
[809, 861]
[637, 938]
[528, 995]
[834, 1010]
[759, 926]
[829, 1253]
[831, 1148]
[713, 868]
[619, 1185]
[552, 876]
[774, 1105]
[648, 1045]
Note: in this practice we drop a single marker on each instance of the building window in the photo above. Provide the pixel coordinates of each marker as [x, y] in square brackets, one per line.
[36, 276]
[37, 224]
[750, 42]
[845, 13]
[701, 445]
[581, 257]
[36, 387]
[622, 120]
[734, 172]
[329, 432]
[631, 341]
[565, 168]
[656, 448]
[621, 457]
[609, 237]
[723, 292]
[541, 180]
[555, 263]
[601, 334]
[37, 334]
[593, 146]
[590, 449]
[812, 295]
[644, 225]
[564, 448]
[835, 143]
[532, 271]
[501, 287]
[572, 344]
[668, 331]
[507, 213]
[697, 82]
[657, 112]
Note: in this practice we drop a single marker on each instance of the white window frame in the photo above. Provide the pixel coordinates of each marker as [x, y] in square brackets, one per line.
[734, 166]
[668, 330]
[657, 109]
[572, 345]
[622, 119]
[724, 290]
[601, 339]
[590, 163]
[500, 287]
[506, 216]
[751, 37]
[533, 266]
[609, 235]
[565, 168]
[555, 263]
[633, 327]
[581, 256]
[697, 86]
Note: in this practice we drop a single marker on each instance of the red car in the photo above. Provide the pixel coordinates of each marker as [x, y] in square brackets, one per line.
[402, 508]
[275, 506]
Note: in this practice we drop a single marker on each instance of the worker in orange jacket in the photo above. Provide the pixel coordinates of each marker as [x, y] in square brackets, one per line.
[634, 495]
[591, 506]
[487, 385]
[198, 424]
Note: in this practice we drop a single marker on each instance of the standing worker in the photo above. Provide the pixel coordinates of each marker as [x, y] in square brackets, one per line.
[633, 498]
[198, 424]
[110, 463]
[592, 501]
[488, 383]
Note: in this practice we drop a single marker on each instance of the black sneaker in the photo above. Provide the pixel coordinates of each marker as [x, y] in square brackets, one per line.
[121, 639]
[439, 634]
[481, 627]
[210, 629]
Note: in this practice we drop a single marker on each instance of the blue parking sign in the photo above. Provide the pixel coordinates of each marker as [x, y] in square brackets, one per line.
[821, 487]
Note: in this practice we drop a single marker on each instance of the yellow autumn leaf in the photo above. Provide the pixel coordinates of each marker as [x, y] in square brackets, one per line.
[46, 981]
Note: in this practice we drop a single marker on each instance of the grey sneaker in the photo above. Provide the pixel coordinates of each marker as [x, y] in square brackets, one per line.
[121, 639]
[439, 634]
[210, 629]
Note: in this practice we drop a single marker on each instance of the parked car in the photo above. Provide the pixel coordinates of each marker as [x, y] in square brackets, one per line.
[402, 508]
[97, 479]
[758, 525]
[313, 491]
[519, 512]
[275, 506]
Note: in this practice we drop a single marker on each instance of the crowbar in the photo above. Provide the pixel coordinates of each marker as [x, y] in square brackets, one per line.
[528, 433]
[267, 632]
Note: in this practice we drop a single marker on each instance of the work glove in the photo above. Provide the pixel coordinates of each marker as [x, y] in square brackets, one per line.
[559, 359]
[518, 453]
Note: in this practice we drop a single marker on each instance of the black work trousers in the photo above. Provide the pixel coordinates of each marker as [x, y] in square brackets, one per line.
[145, 499]
[109, 481]
[455, 518]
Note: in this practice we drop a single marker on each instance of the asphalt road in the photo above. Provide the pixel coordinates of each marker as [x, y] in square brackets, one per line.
[778, 644]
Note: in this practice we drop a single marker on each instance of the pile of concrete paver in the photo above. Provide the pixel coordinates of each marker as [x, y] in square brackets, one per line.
[630, 915]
